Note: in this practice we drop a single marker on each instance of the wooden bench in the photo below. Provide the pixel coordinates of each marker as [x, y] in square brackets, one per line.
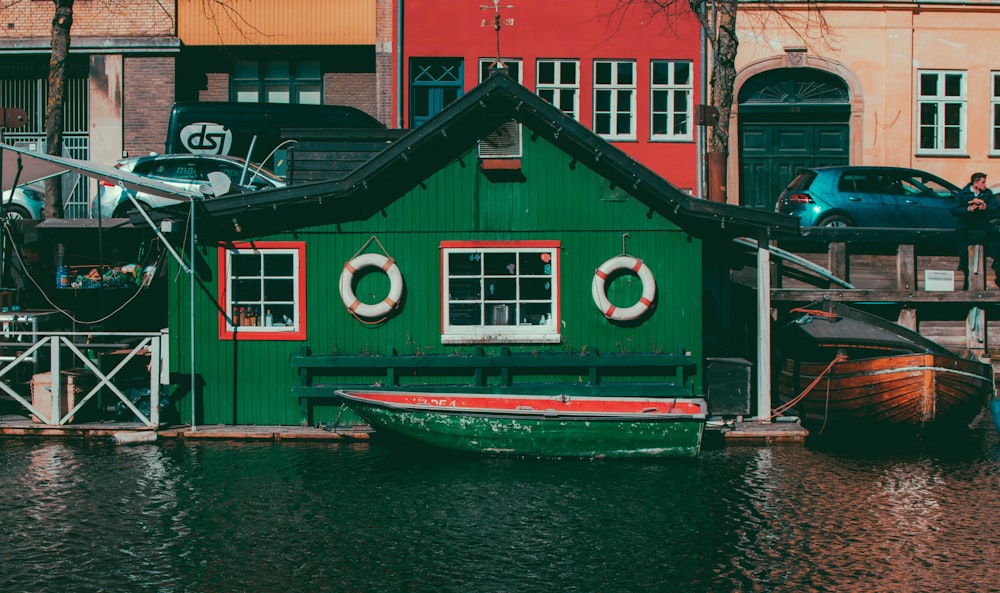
[623, 374]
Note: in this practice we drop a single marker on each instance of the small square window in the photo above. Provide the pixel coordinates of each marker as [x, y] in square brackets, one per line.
[262, 291]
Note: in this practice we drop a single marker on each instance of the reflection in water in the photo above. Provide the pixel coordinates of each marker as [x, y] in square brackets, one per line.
[198, 517]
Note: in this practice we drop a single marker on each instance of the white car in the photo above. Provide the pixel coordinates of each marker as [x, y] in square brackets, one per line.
[28, 202]
[186, 171]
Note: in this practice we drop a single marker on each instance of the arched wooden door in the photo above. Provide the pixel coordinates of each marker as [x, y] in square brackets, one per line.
[789, 118]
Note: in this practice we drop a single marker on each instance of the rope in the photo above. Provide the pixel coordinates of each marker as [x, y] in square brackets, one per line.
[385, 252]
[816, 312]
[64, 312]
[780, 410]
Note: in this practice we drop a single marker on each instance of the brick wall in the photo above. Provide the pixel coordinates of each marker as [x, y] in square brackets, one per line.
[217, 89]
[384, 42]
[149, 97]
[356, 89]
[92, 18]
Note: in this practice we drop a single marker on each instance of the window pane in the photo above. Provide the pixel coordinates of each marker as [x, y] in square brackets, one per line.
[245, 265]
[567, 72]
[308, 95]
[536, 288]
[465, 289]
[247, 290]
[661, 72]
[278, 290]
[953, 85]
[499, 263]
[682, 73]
[500, 289]
[278, 94]
[602, 123]
[928, 84]
[309, 69]
[278, 264]
[277, 70]
[465, 315]
[546, 72]
[625, 70]
[602, 101]
[602, 73]
[464, 263]
[659, 124]
[245, 69]
[245, 94]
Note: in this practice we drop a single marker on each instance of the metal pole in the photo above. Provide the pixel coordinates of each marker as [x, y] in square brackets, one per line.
[763, 331]
[191, 304]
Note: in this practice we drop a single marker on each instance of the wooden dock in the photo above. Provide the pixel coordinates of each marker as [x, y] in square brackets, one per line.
[906, 276]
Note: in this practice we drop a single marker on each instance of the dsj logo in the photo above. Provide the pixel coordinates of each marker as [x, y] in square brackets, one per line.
[206, 138]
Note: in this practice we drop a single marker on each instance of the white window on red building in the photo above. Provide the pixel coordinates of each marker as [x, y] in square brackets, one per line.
[513, 68]
[558, 82]
[941, 105]
[614, 99]
[671, 92]
[262, 291]
[498, 292]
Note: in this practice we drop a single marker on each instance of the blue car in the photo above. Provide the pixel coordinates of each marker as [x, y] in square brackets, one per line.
[860, 196]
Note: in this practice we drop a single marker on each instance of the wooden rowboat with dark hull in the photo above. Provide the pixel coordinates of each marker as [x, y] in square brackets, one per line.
[847, 369]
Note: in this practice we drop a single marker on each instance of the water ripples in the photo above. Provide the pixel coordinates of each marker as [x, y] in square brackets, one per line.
[227, 517]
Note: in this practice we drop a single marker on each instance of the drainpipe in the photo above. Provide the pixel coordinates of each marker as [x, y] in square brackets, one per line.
[399, 64]
[700, 143]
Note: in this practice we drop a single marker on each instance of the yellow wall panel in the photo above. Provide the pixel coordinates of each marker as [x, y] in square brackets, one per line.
[276, 22]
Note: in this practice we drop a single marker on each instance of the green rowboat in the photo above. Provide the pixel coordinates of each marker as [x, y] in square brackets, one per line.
[535, 425]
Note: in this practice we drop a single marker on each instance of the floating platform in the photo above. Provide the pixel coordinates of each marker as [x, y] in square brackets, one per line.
[751, 432]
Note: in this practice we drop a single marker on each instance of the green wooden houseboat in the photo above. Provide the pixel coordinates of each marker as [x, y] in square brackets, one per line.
[501, 247]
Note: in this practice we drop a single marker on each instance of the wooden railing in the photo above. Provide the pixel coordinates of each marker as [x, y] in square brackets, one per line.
[888, 271]
[499, 372]
[52, 355]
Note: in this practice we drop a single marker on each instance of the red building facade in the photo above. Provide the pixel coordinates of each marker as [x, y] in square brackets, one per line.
[631, 77]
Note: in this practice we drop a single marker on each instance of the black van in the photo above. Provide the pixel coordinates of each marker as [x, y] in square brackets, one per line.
[230, 128]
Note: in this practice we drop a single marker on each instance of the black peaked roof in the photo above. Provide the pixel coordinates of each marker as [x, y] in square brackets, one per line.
[405, 163]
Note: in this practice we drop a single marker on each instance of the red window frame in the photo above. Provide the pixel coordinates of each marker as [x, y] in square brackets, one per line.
[225, 331]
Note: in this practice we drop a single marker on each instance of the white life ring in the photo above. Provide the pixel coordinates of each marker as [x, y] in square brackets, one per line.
[353, 303]
[623, 262]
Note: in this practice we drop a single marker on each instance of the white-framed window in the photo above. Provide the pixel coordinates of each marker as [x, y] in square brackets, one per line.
[262, 291]
[498, 292]
[941, 105]
[513, 68]
[995, 114]
[614, 99]
[558, 82]
[671, 92]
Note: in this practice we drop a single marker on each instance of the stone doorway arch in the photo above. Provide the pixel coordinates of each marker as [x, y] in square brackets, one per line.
[791, 111]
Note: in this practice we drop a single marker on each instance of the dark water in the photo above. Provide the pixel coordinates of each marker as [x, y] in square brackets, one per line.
[218, 517]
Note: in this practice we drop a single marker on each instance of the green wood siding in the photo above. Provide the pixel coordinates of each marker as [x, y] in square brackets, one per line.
[250, 382]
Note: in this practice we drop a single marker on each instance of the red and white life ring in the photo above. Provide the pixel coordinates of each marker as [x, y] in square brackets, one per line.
[351, 301]
[633, 264]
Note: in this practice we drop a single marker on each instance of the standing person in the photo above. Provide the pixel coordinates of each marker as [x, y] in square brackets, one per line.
[38, 273]
[976, 206]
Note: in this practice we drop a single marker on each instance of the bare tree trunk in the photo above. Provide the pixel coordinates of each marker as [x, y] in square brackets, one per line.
[724, 47]
[61, 23]
[718, 21]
